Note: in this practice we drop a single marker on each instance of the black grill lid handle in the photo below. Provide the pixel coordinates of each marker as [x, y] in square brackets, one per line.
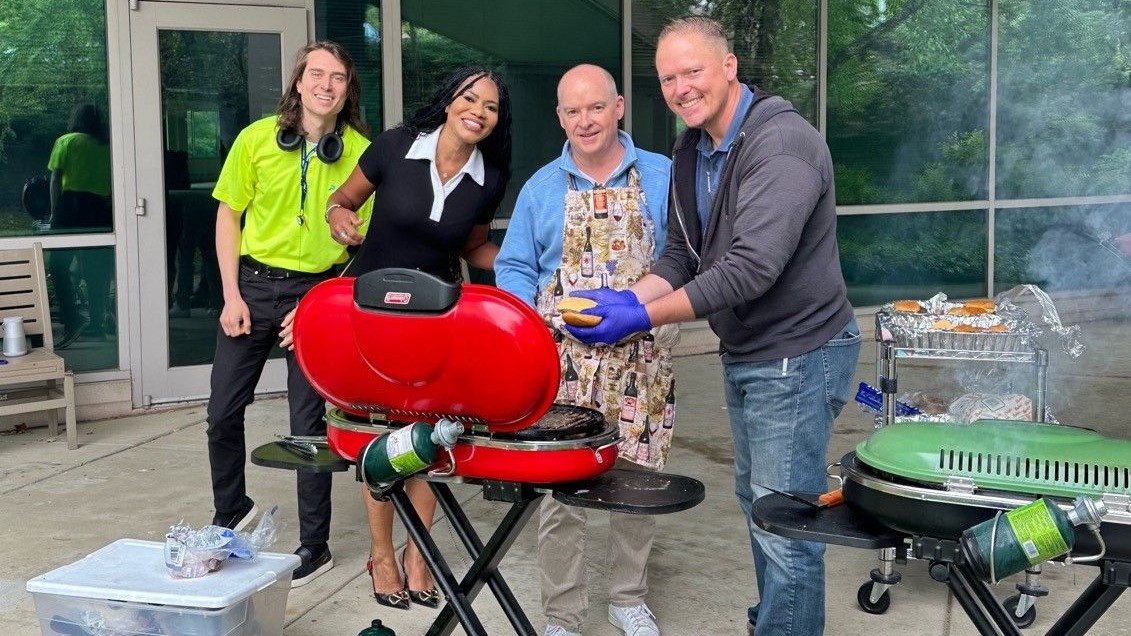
[404, 290]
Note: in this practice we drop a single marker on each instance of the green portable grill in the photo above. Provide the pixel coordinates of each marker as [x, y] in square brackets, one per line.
[936, 480]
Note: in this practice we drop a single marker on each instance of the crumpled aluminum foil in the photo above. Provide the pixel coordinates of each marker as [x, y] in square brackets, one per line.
[920, 330]
[1068, 337]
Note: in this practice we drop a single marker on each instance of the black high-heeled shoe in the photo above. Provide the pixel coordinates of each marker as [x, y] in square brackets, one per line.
[428, 598]
[396, 600]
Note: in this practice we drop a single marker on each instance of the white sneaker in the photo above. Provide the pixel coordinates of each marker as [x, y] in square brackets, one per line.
[637, 620]
[558, 630]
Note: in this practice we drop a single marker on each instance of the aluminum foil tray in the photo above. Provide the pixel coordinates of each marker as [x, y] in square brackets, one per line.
[934, 327]
[957, 341]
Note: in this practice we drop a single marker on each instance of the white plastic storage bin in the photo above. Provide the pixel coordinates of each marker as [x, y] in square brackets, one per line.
[125, 589]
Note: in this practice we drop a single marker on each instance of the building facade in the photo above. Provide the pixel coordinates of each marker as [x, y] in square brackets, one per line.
[977, 145]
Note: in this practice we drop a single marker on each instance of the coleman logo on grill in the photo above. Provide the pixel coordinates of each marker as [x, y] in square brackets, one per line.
[397, 298]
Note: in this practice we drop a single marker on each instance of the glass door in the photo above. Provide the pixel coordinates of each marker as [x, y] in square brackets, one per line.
[200, 74]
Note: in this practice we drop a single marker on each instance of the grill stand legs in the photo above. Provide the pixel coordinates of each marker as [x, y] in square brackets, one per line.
[1104, 590]
[615, 490]
[487, 557]
[991, 619]
[977, 599]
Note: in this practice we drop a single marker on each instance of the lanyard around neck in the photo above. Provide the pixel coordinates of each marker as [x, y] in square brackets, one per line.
[304, 164]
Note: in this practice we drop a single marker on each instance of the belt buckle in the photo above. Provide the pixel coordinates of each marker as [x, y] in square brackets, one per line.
[271, 273]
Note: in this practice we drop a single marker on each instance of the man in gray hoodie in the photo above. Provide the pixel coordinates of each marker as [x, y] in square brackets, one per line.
[752, 247]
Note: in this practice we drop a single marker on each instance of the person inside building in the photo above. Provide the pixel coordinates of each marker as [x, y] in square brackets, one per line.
[435, 183]
[597, 216]
[80, 202]
[752, 247]
[272, 246]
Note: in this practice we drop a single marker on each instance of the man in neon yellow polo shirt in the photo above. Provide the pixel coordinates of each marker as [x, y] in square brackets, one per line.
[276, 180]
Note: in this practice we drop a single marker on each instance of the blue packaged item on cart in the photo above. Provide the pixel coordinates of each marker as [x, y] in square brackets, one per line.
[870, 398]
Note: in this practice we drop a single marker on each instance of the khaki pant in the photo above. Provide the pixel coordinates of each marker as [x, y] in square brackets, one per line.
[561, 559]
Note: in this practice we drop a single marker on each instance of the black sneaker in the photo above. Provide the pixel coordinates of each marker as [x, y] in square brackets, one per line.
[239, 519]
[312, 565]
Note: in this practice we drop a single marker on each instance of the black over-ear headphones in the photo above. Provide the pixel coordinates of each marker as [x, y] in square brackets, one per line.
[329, 147]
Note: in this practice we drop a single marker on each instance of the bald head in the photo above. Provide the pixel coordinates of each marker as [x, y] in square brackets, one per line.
[589, 110]
[590, 79]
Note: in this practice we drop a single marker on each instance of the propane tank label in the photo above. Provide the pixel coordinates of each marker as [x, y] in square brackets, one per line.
[1036, 532]
[402, 455]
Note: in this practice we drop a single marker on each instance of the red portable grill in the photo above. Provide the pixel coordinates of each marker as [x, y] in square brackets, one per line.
[397, 346]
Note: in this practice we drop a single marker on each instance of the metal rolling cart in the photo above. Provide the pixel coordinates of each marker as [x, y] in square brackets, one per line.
[873, 595]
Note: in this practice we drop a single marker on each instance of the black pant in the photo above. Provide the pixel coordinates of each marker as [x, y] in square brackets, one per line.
[238, 364]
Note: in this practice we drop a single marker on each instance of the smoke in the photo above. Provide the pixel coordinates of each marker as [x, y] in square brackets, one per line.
[1083, 255]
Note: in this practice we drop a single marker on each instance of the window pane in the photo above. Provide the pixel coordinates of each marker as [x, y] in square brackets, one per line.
[357, 26]
[1063, 114]
[53, 116]
[53, 120]
[207, 97]
[530, 44]
[83, 307]
[776, 46]
[914, 255]
[1062, 248]
[908, 108]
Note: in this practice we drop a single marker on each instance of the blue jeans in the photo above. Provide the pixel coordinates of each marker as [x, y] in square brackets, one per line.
[781, 416]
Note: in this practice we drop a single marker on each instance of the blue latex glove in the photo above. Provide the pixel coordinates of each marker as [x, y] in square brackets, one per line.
[617, 321]
[608, 296]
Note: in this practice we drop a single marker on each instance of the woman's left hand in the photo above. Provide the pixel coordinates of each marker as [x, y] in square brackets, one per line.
[343, 226]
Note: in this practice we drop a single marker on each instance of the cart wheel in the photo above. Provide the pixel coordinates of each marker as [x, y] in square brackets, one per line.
[864, 598]
[1026, 619]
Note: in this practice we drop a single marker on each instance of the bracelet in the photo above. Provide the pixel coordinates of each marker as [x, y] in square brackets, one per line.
[330, 209]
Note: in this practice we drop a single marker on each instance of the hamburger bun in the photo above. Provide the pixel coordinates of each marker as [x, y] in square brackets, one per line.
[571, 307]
[969, 310]
[982, 303]
[909, 306]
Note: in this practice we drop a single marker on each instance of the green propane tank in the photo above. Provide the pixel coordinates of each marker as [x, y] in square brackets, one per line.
[376, 629]
[406, 451]
[1026, 536]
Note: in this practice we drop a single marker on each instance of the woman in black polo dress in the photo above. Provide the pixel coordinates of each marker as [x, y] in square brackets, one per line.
[437, 181]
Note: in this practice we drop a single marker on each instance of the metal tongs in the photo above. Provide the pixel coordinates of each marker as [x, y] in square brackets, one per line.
[826, 500]
[305, 446]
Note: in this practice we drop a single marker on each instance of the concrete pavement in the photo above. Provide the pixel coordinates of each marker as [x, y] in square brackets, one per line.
[135, 476]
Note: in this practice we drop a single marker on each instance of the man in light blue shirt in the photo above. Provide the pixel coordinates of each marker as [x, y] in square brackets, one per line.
[596, 217]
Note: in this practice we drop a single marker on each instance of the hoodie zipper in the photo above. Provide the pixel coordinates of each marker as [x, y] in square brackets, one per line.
[728, 167]
[679, 217]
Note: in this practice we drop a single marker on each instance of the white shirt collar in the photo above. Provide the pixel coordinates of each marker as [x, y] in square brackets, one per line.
[424, 147]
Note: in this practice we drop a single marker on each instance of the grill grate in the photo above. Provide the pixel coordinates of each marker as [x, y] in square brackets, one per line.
[1077, 475]
[401, 414]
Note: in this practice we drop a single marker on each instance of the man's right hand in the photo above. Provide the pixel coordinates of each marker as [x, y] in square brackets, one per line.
[608, 296]
[235, 319]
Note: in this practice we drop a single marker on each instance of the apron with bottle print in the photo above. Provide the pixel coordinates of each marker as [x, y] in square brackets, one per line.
[609, 241]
